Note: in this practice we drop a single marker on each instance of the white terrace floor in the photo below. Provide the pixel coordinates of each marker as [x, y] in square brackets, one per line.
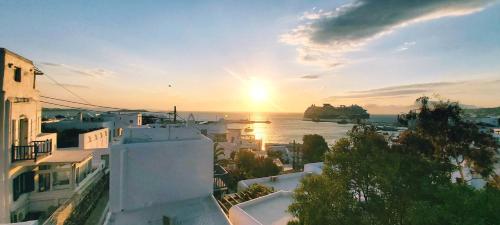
[196, 211]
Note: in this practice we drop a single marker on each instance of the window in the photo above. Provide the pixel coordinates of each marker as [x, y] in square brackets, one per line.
[23, 183]
[17, 74]
[44, 182]
[131, 121]
[61, 178]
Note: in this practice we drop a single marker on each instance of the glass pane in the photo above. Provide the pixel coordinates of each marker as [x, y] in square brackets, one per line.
[61, 178]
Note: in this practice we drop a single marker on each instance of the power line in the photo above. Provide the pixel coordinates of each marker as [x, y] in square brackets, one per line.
[62, 86]
[57, 104]
[64, 100]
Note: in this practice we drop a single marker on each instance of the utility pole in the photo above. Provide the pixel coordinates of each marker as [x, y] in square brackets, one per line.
[175, 114]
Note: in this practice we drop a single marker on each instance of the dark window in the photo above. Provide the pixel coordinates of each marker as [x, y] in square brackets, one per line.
[23, 183]
[17, 74]
[131, 121]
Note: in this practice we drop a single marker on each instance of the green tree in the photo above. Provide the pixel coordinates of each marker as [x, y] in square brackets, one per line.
[365, 181]
[245, 161]
[313, 148]
[457, 205]
[252, 166]
[453, 138]
[265, 167]
[219, 155]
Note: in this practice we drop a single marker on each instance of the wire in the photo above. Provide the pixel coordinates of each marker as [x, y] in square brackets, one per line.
[64, 100]
[62, 86]
[70, 106]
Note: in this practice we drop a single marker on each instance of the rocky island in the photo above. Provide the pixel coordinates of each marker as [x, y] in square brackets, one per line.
[340, 114]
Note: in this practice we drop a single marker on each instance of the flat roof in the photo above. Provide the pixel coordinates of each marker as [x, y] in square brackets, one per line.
[67, 156]
[7, 51]
[270, 209]
[202, 210]
[285, 182]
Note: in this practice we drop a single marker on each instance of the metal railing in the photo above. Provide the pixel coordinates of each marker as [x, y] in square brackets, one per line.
[31, 152]
[220, 181]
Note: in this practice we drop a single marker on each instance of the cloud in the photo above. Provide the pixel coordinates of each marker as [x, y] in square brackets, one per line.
[405, 46]
[95, 73]
[425, 86]
[395, 93]
[325, 36]
[311, 77]
[469, 87]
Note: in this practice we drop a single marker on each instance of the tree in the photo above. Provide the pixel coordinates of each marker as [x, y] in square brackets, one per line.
[365, 181]
[453, 138]
[219, 155]
[252, 166]
[265, 167]
[313, 148]
[457, 205]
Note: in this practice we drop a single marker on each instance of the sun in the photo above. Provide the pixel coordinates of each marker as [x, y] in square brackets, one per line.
[258, 92]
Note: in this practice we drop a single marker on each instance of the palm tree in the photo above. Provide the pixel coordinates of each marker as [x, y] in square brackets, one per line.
[219, 151]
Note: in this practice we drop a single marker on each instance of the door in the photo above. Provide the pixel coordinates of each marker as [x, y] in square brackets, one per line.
[23, 132]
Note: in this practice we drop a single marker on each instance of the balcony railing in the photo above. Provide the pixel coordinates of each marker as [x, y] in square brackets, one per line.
[31, 152]
[220, 181]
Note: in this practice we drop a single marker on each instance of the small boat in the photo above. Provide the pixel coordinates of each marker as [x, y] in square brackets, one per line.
[248, 129]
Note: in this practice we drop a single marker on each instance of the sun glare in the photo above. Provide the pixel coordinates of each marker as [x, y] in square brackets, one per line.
[258, 92]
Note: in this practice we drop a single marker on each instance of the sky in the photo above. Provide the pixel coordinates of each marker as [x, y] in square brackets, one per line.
[271, 56]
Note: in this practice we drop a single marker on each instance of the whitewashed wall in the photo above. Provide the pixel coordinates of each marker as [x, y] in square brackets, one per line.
[94, 139]
[150, 173]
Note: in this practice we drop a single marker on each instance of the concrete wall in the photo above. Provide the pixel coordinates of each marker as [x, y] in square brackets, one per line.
[94, 139]
[18, 100]
[159, 134]
[77, 124]
[150, 173]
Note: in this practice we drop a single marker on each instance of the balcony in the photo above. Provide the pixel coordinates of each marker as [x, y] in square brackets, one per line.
[31, 152]
[220, 181]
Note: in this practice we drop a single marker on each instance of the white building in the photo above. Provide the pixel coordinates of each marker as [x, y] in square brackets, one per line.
[272, 208]
[163, 174]
[34, 174]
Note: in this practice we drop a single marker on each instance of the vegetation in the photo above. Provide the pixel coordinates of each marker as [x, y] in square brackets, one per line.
[277, 155]
[219, 155]
[367, 181]
[442, 124]
[249, 166]
[313, 148]
[258, 190]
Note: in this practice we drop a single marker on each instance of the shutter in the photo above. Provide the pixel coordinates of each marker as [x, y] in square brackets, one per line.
[15, 188]
[30, 181]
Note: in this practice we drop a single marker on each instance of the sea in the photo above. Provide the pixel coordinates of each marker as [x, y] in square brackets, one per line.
[287, 127]
[284, 127]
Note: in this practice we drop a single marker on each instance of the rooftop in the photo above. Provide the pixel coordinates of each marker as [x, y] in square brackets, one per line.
[270, 210]
[203, 210]
[67, 156]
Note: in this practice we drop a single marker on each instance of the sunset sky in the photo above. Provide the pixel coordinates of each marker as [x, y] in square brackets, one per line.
[260, 55]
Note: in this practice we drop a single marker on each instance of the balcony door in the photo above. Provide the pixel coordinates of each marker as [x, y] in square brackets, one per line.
[23, 132]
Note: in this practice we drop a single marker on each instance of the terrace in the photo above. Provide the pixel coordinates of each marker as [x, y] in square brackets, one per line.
[270, 209]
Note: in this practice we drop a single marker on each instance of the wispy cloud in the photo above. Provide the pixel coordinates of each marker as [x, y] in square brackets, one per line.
[93, 72]
[405, 46]
[325, 36]
[419, 89]
[310, 77]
